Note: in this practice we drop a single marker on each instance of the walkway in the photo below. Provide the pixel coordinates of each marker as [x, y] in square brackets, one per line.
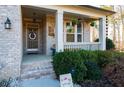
[42, 82]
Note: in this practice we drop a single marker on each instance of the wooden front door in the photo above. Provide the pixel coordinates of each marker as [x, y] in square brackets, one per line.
[32, 37]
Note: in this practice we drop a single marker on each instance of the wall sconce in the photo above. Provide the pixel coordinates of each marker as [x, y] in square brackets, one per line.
[7, 24]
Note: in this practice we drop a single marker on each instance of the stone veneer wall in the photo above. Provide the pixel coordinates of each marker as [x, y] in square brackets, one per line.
[86, 32]
[10, 42]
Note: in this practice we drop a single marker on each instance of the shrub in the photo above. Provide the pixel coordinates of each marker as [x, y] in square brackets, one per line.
[109, 44]
[88, 56]
[63, 62]
[104, 57]
[93, 71]
[86, 64]
[100, 57]
[90, 60]
[118, 55]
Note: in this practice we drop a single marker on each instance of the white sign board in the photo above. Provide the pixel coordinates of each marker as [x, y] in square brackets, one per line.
[66, 80]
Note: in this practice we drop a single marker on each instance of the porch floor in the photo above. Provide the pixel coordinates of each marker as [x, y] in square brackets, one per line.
[29, 58]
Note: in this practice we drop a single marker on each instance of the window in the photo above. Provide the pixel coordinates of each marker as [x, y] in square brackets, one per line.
[70, 37]
[73, 33]
[70, 32]
[79, 32]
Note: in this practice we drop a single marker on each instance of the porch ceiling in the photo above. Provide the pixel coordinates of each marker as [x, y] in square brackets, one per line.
[83, 17]
[28, 12]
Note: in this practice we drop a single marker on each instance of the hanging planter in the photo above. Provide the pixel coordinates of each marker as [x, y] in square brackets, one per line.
[93, 24]
[70, 29]
[75, 21]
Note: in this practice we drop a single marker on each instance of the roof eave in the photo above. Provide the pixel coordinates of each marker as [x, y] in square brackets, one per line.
[108, 12]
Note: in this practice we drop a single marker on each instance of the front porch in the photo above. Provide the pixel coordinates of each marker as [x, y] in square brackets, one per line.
[53, 31]
[46, 28]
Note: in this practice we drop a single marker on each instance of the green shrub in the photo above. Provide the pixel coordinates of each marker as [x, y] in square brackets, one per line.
[118, 55]
[100, 57]
[86, 64]
[104, 57]
[63, 62]
[88, 56]
[109, 44]
[93, 71]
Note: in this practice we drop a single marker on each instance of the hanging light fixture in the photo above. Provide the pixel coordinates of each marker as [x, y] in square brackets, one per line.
[7, 24]
[34, 17]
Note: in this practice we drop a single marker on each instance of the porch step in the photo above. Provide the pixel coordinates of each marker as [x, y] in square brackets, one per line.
[36, 70]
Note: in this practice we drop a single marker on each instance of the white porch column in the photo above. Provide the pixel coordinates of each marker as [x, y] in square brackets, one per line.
[102, 33]
[59, 31]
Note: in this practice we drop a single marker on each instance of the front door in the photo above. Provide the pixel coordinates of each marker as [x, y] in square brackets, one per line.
[32, 37]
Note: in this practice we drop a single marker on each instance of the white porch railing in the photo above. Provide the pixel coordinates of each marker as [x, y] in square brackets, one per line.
[80, 46]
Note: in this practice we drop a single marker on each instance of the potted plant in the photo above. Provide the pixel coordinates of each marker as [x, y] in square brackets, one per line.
[92, 23]
[70, 29]
[75, 21]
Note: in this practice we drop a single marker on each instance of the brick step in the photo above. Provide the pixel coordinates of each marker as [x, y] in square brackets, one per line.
[49, 69]
[36, 65]
[38, 74]
[37, 70]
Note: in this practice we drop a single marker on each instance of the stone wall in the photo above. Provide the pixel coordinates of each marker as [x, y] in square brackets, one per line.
[51, 40]
[86, 32]
[10, 42]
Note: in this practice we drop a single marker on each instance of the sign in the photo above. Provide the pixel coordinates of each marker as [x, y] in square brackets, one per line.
[66, 80]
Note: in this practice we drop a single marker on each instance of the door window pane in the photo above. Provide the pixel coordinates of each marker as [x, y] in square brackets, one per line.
[70, 38]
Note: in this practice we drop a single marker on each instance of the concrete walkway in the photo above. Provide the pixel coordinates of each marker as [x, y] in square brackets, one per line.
[41, 82]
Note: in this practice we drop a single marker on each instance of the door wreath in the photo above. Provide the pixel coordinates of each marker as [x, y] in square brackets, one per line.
[32, 36]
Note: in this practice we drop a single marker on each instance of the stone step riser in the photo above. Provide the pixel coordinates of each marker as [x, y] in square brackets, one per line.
[37, 73]
[42, 62]
[37, 64]
[41, 70]
[39, 76]
[37, 68]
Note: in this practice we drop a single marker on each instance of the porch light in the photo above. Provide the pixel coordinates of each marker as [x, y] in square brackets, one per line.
[8, 24]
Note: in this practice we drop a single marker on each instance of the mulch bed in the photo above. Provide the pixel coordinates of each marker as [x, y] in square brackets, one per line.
[115, 73]
[104, 82]
[113, 76]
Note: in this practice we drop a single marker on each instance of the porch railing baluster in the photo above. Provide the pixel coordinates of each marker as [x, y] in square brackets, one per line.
[79, 46]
